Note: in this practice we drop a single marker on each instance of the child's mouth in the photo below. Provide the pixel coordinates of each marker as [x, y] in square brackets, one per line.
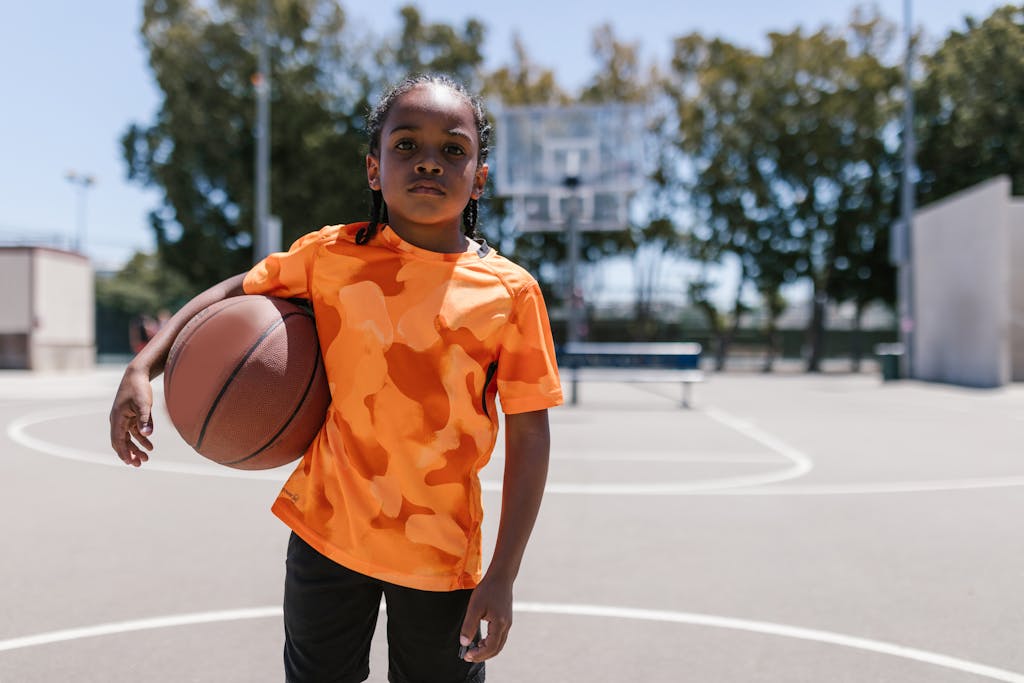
[427, 189]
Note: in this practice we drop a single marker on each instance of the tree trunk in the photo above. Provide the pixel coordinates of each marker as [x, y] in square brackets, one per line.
[772, 334]
[714, 323]
[729, 335]
[857, 342]
[816, 331]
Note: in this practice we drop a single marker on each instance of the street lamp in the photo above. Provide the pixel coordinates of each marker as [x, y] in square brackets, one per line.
[263, 241]
[905, 260]
[84, 181]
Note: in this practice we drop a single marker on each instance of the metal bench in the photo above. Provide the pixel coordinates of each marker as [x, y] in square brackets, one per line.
[632, 362]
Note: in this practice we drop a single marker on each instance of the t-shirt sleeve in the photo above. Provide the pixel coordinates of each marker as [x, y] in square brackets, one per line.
[285, 274]
[527, 375]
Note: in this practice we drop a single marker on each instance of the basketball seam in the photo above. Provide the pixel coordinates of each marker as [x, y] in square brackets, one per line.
[180, 340]
[234, 373]
[295, 411]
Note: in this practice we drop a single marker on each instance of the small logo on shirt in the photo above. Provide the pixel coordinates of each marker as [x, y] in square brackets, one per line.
[294, 497]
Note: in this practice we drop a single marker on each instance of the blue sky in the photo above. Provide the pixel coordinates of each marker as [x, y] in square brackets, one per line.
[74, 77]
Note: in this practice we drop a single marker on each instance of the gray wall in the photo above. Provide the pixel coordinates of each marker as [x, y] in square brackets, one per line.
[1016, 230]
[47, 321]
[962, 287]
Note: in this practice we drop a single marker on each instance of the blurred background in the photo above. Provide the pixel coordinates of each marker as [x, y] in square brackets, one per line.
[771, 163]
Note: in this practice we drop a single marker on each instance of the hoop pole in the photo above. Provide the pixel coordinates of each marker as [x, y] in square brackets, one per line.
[571, 182]
[905, 269]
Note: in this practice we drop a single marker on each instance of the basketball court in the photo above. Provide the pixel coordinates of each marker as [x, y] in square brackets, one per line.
[788, 528]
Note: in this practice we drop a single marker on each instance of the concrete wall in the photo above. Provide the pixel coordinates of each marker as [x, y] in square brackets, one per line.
[15, 287]
[961, 287]
[1015, 218]
[65, 333]
[47, 321]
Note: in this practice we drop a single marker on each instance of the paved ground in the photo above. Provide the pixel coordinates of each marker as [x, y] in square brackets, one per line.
[787, 529]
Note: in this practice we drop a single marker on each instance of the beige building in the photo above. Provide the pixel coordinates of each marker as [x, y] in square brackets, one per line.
[968, 287]
[47, 320]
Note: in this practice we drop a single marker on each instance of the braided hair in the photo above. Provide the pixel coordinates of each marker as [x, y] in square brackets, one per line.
[375, 124]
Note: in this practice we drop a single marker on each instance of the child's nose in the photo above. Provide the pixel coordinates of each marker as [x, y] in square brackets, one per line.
[428, 165]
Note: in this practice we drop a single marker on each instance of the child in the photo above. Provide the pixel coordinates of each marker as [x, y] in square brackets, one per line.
[421, 326]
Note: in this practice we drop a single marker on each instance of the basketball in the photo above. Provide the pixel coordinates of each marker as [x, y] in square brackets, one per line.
[244, 382]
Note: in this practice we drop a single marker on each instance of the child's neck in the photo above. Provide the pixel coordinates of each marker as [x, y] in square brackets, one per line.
[433, 238]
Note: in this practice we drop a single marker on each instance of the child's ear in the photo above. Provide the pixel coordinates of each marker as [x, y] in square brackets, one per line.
[479, 181]
[373, 172]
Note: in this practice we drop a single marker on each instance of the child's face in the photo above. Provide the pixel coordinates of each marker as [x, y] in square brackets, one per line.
[427, 168]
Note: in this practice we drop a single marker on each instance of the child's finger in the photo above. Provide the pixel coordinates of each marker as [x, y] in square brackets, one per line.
[128, 451]
[139, 456]
[497, 634]
[470, 629]
[137, 432]
[145, 420]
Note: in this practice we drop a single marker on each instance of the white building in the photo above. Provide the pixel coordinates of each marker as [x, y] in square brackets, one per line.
[968, 287]
[47, 320]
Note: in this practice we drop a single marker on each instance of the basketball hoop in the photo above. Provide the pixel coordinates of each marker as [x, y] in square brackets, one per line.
[546, 157]
[571, 168]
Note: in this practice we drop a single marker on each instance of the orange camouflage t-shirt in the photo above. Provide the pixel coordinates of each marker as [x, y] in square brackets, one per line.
[416, 345]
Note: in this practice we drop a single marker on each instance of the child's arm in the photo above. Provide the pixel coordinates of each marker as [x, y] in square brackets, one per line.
[131, 414]
[527, 443]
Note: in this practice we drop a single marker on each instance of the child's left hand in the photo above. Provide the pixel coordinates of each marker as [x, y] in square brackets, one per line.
[491, 601]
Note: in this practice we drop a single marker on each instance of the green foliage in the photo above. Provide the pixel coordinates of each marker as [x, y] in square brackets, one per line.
[788, 155]
[969, 107]
[619, 75]
[143, 287]
[437, 48]
[200, 148]
[523, 82]
[785, 161]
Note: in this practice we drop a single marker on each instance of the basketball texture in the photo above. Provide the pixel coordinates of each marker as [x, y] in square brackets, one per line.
[245, 384]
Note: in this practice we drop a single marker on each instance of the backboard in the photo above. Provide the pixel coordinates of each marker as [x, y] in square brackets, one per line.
[539, 147]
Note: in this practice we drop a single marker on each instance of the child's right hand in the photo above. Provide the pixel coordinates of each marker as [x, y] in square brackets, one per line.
[131, 417]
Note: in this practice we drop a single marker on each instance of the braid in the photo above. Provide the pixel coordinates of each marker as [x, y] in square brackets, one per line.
[469, 216]
[377, 211]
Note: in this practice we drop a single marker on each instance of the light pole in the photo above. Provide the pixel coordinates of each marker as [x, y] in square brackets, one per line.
[571, 182]
[262, 241]
[905, 262]
[84, 181]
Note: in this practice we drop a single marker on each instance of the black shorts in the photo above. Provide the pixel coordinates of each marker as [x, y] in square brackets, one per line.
[330, 613]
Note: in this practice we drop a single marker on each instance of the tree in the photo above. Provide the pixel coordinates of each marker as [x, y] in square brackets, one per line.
[620, 78]
[436, 48]
[719, 136]
[142, 287]
[200, 148]
[969, 107]
[523, 82]
[789, 155]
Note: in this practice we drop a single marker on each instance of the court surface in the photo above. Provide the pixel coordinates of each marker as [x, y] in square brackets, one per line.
[788, 529]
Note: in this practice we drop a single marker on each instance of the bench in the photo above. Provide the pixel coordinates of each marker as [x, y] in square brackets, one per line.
[632, 362]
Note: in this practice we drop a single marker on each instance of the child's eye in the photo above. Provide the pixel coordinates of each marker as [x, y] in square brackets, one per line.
[454, 150]
[404, 145]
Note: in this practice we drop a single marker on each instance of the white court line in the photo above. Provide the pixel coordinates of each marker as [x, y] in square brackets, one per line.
[647, 456]
[601, 611]
[927, 486]
[17, 431]
[732, 486]
[117, 627]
